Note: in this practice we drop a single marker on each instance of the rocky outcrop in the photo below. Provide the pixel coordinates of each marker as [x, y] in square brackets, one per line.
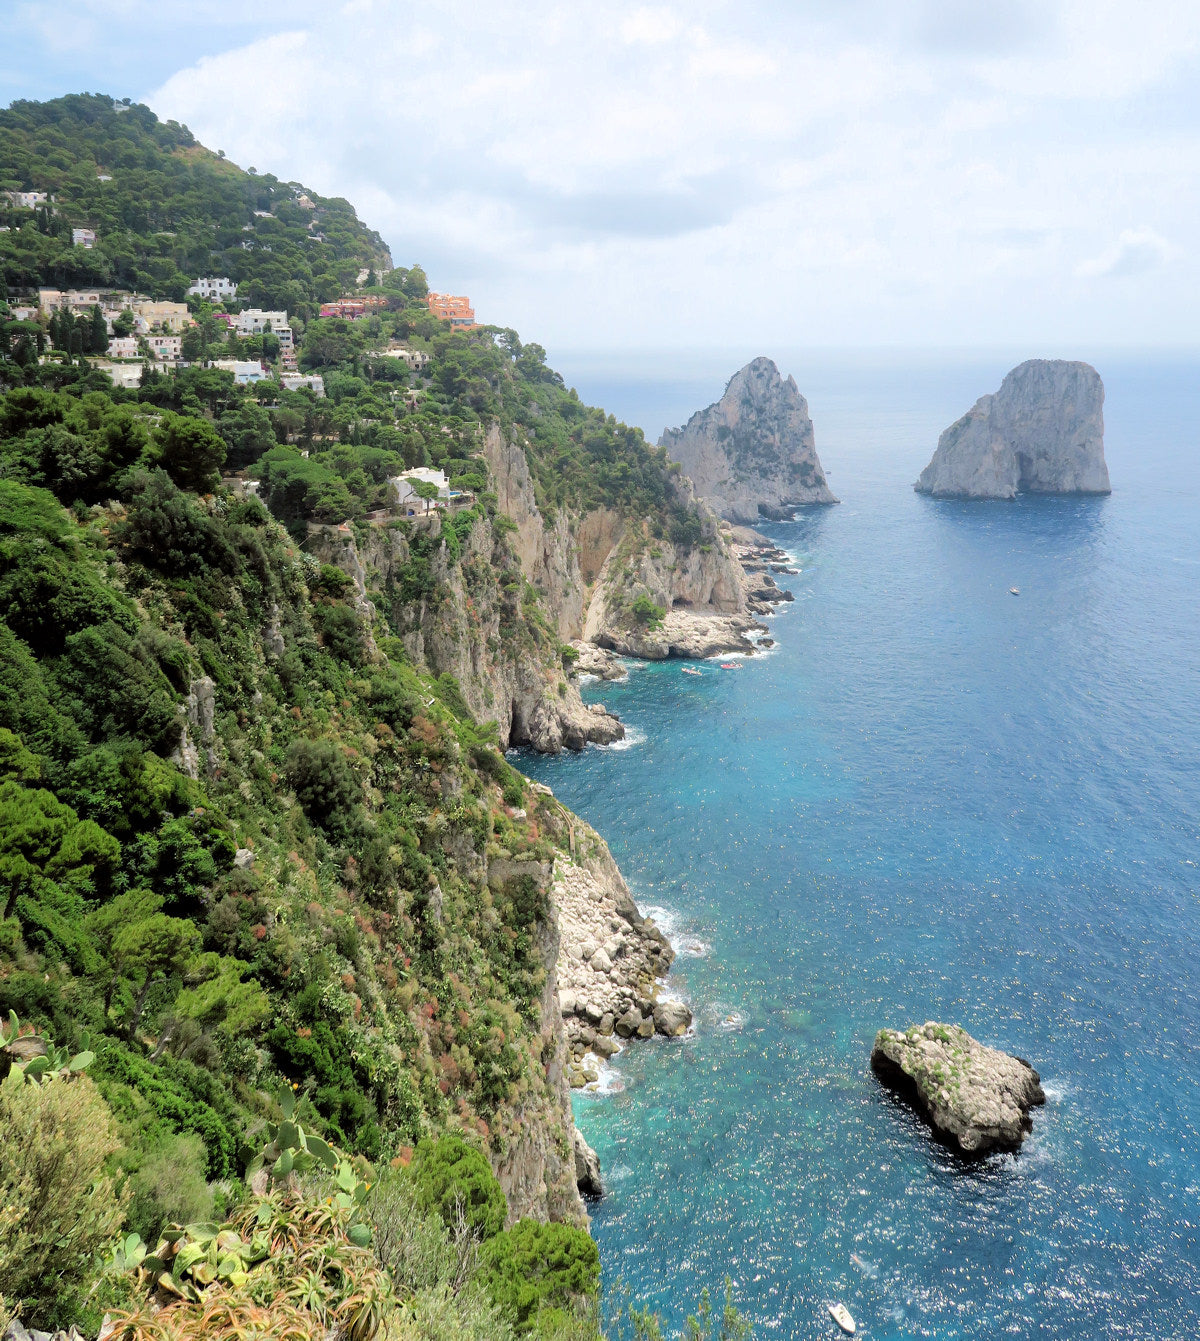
[587, 1169]
[463, 614]
[549, 555]
[588, 568]
[1042, 433]
[198, 733]
[683, 633]
[975, 1098]
[597, 661]
[752, 453]
[611, 960]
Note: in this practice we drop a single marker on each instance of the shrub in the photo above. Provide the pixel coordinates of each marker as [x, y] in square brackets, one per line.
[535, 1266]
[320, 775]
[341, 632]
[647, 612]
[414, 1244]
[59, 1208]
[449, 1177]
[170, 1187]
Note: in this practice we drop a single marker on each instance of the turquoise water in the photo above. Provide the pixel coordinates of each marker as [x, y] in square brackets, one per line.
[932, 800]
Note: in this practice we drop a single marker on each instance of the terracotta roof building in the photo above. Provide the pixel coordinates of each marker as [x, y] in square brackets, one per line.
[457, 311]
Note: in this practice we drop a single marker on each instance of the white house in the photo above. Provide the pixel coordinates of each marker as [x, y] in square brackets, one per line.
[248, 372]
[404, 490]
[83, 237]
[127, 375]
[23, 312]
[214, 289]
[314, 381]
[417, 359]
[27, 200]
[165, 347]
[254, 320]
[122, 346]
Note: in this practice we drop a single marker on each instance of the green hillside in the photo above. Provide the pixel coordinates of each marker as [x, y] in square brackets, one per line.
[260, 867]
[165, 210]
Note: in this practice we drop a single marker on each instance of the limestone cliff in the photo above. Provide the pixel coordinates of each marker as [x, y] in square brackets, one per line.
[537, 1167]
[460, 607]
[752, 454]
[588, 568]
[1042, 433]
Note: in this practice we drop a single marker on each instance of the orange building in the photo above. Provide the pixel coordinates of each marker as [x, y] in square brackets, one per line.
[457, 311]
[353, 308]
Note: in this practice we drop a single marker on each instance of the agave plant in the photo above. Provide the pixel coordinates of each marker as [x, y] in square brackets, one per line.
[35, 1058]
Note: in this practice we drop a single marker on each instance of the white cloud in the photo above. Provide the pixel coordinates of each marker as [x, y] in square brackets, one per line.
[608, 170]
[650, 27]
[1137, 251]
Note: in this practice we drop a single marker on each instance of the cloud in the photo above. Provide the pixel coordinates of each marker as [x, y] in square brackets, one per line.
[1137, 251]
[622, 170]
[650, 27]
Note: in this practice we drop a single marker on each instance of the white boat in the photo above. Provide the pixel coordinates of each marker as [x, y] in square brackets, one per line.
[1014, 591]
[841, 1315]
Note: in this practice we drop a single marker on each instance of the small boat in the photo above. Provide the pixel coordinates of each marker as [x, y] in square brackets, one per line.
[691, 670]
[841, 1315]
[730, 665]
[1014, 591]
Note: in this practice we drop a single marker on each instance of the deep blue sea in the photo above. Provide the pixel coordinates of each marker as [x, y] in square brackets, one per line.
[932, 800]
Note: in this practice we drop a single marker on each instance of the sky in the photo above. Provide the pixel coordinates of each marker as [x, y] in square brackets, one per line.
[853, 173]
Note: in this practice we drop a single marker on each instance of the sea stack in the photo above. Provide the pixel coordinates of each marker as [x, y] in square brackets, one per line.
[975, 1098]
[752, 454]
[1041, 433]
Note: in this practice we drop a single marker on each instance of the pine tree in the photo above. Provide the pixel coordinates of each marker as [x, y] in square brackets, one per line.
[98, 342]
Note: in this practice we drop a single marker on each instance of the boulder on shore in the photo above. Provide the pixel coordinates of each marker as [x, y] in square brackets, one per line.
[975, 1098]
[1041, 433]
[587, 1168]
[672, 1018]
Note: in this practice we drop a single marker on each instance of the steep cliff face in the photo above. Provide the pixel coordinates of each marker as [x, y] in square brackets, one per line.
[752, 454]
[460, 606]
[548, 554]
[588, 568]
[537, 1166]
[1042, 432]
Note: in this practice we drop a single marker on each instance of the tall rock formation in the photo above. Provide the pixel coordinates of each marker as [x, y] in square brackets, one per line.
[752, 454]
[1041, 433]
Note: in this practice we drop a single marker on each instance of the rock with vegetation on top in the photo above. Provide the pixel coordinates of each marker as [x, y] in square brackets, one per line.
[976, 1098]
[1041, 433]
[752, 453]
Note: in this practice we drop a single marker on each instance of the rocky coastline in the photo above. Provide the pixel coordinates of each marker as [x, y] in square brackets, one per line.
[611, 961]
[975, 1098]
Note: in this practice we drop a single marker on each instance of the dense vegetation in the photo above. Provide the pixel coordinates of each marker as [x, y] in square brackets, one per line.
[244, 837]
[169, 211]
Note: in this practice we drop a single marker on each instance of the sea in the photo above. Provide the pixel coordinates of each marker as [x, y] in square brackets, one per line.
[931, 800]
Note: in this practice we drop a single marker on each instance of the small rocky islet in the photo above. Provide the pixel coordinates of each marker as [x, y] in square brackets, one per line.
[752, 454]
[975, 1098]
[1041, 433]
